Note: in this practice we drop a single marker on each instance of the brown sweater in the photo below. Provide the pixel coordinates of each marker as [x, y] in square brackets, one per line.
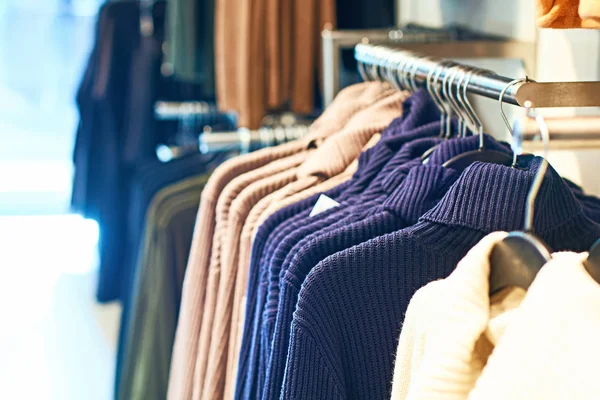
[239, 195]
[189, 325]
[267, 54]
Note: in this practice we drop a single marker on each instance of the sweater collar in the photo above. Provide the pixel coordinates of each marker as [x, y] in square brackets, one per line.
[491, 197]
[445, 150]
[421, 189]
[420, 119]
[334, 155]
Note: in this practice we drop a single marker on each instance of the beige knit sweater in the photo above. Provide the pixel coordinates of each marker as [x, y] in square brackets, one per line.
[239, 195]
[457, 343]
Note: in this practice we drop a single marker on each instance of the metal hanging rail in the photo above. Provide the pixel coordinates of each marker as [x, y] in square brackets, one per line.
[542, 94]
[167, 110]
[244, 138]
[448, 42]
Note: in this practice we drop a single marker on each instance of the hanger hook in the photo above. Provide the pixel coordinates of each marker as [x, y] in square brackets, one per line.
[413, 72]
[432, 89]
[395, 72]
[460, 97]
[501, 100]
[503, 114]
[454, 98]
[362, 71]
[447, 116]
[541, 172]
[447, 94]
[406, 70]
[478, 123]
[390, 64]
[402, 68]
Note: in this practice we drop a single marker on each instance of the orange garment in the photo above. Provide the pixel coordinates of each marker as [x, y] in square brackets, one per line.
[564, 14]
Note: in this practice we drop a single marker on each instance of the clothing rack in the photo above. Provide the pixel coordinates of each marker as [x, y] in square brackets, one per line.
[240, 140]
[487, 84]
[450, 41]
[172, 110]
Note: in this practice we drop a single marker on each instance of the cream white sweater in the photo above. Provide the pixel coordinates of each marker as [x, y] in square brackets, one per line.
[457, 343]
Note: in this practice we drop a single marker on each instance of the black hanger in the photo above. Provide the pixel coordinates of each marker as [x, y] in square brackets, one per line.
[517, 259]
[592, 264]
[462, 161]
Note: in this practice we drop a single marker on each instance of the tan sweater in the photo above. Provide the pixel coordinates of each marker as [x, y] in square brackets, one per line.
[457, 343]
[239, 194]
[267, 54]
[194, 285]
[561, 14]
[187, 336]
[331, 159]
[259, 212]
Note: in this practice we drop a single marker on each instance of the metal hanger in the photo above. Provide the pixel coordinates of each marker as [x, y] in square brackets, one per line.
[462, 161]
[516, 260]
[431, 86]
[474, 124]
[435, 91]
[453, 98]
[516, 151]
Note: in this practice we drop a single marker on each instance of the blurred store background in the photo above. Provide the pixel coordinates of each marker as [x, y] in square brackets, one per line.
[46, 288]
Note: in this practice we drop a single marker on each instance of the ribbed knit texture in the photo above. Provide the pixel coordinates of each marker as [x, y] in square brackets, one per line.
[351, 305]
[190, 315]
[241, 282]
[417, 109]
[332, 157]
[406, 194]
[233, 283]
[237, 199]
[346, 103]
[297, 230]
[264, 232]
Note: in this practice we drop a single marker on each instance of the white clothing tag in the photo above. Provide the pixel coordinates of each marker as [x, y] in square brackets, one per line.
[324, 203]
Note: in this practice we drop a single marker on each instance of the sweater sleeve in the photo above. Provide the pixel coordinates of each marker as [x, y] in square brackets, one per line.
[307, 373]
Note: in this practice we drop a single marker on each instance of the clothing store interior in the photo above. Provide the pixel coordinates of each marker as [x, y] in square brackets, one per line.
[299, 199]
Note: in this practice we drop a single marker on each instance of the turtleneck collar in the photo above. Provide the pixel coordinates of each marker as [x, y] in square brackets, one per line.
[491, 197]
[445, 150]
[421, 189]
[420, 118]
[338, 151]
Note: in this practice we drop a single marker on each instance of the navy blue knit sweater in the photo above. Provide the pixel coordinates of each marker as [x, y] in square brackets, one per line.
[351, 305]
[418, 111]
[390, 211]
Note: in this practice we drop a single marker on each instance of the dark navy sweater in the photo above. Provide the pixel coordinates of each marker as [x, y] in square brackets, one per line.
[351, 306]
[418, 111]
[392, 210]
